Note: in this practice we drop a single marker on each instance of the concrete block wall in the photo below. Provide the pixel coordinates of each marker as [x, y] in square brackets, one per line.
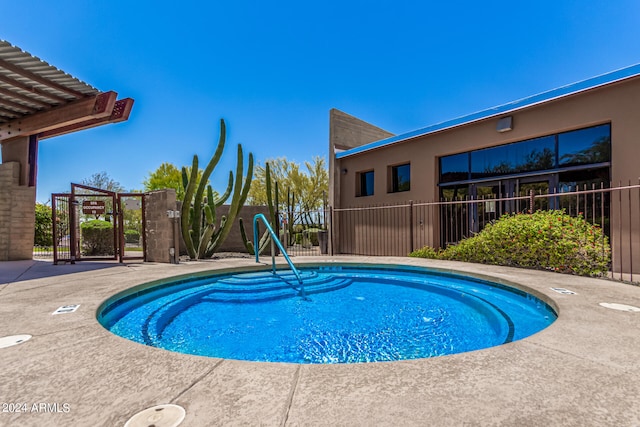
[234, 242]
[161, 231]
[17, 215]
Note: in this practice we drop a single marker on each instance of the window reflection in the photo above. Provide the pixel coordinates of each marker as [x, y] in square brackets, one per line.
[585, 146]
[454, 168]
[401, 178]
[531, 155]
[581, 147]
[366, 183]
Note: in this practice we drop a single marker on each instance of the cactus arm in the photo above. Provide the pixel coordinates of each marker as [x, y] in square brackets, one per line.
[227, 192]
[215, 238]
[264, 241]
[185, 179]
[240, 194]
[268, 187]
[186, 217]
[247, 243]
[209, 233]
[211, 204]
[197, 203]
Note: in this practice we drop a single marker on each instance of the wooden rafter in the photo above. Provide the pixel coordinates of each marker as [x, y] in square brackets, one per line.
[24, 98]
[16, 106]
[8, 113]
[90, 108]
[36, 78]
[55, 98]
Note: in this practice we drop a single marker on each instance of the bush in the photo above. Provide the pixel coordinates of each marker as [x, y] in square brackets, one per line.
[549, 240]
[43, 234]
[97, 238]
[426, 252]
[313, 235]
[132, 236]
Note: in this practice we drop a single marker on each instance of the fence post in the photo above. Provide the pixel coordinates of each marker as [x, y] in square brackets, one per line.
[532, 201]
[54, 228]
[72, 228]
[410, 226]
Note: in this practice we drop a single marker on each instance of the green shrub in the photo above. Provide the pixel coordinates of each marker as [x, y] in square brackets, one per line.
[97, 238]
[313, 236]
[549, 240]
[43, 233]
[426, 252]
[132, 236]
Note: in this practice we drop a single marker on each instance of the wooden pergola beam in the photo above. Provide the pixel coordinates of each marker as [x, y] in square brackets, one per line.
[120, 113]
[90, 108]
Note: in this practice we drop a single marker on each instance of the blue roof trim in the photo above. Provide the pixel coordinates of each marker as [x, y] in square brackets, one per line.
[560, 92]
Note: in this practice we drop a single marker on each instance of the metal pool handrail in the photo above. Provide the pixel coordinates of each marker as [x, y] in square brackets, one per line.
[276, 241]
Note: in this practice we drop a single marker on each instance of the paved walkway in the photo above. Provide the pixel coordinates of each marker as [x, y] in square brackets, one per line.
[584, 370]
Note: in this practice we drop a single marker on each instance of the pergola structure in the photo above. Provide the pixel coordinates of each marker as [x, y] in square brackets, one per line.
[38, 101]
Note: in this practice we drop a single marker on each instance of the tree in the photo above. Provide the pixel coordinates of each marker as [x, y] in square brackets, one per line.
[308, 186]
[103, 181]
[43, 234]
[317, 185]
[168, 176]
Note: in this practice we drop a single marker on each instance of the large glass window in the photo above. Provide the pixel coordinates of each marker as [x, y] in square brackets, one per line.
[585, 146]
[531, 155]
[454, 168]
[365, 184]
[400, 178]
[576, 148]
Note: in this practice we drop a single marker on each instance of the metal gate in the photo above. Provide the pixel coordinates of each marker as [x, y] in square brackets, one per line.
[95, 224]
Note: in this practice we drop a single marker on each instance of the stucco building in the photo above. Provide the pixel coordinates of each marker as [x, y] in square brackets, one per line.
[582, 134]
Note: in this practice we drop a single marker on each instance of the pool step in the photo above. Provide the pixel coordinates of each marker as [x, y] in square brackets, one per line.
[266, 285]
[247, 288]
[267, 277]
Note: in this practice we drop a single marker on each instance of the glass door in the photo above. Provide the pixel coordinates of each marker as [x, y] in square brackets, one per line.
[496, 198]
[539, 185]
[490, 203]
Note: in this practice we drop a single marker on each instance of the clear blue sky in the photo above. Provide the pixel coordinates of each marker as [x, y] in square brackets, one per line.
[273, 70]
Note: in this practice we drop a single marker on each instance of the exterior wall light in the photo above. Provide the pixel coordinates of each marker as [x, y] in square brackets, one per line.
[505, 124]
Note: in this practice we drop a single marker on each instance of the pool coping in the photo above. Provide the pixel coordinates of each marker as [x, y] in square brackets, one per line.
[582, 370]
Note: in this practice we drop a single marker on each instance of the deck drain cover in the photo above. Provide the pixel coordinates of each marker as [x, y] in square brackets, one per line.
[158, 416]
[621, 307]
[66, 309]
[13, 340]
[563, 291]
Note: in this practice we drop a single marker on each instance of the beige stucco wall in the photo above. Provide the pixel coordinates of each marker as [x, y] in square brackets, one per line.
[615, 103]
[17, 150]
[17, 214]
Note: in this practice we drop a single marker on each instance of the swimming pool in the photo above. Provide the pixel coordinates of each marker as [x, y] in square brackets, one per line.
[352, 314]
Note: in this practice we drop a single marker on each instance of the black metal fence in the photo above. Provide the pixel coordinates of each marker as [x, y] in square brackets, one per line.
[304, 233]
[397, 230]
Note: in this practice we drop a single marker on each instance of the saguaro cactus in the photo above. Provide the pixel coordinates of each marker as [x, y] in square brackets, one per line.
[198, 215]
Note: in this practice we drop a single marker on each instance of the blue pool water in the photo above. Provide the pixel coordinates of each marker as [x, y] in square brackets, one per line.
[352, 314]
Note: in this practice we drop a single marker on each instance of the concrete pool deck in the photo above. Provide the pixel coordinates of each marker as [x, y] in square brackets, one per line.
[584, 370]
